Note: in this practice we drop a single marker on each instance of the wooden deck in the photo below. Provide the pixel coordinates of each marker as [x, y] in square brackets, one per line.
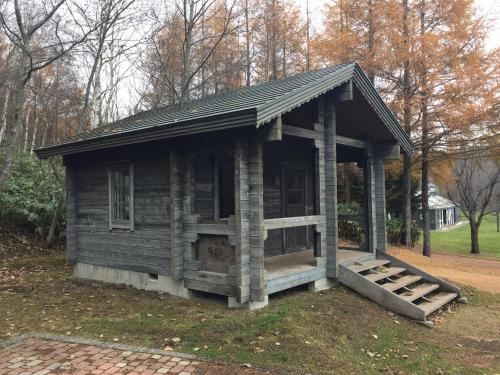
[290, 270]
[351, 256]
[298, 268]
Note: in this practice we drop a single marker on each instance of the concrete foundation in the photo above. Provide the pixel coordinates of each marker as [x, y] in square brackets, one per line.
[134, 279]
[321, 284]
[251, 305]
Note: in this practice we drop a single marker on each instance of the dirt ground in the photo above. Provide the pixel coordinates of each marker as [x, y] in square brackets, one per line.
[480, 273]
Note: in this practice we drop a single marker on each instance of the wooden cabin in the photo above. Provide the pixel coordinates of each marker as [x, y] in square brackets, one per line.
[234, 194]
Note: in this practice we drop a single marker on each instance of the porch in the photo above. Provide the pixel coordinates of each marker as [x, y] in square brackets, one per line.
[290, 270]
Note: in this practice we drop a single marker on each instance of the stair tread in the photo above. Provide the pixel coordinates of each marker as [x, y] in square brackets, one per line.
[401, 282]
[369, 264]
[419, 291]
[437, 301]
[386, 272]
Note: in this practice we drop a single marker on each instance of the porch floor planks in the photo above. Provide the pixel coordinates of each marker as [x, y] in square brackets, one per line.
[289, 264]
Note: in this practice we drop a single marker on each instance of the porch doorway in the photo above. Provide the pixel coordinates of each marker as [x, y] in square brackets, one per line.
[294, 204]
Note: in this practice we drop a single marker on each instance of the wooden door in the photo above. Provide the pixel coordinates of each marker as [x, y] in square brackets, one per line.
[294, 204]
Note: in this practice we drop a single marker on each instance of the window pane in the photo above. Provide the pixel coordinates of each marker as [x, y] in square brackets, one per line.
[120, 180]
[226, 188]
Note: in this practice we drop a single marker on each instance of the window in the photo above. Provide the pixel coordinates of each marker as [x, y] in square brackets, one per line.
[214, 188]
[121, 201]
[225, 186]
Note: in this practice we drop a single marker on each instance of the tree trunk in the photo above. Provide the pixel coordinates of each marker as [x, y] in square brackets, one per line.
[371, 32]
[407, 214]
[406, 200]
[12, 136]
[247, 47]
[425, 145]
[53, 224]
[474, 237]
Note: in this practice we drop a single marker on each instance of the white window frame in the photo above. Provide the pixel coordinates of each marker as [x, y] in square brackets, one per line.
[123, 224]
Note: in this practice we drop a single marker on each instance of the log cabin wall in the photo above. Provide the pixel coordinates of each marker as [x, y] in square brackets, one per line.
[146, 248]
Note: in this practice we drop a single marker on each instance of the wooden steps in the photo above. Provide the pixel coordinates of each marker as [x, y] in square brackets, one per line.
[385, 273]
[364, 266]
[398, 286]
[418, 292]
[437, 301]
[403, 281]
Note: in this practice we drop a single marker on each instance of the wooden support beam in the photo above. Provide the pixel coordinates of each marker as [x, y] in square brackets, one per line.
[290, 222]
[379, 175]
[295, 131]
[176, 217]
[316, 134]
[274, 131]
[331, 186]
[242, 221]
[71, 208]
[346, 93]
[387, 150]
[351, 142]
[256, 216]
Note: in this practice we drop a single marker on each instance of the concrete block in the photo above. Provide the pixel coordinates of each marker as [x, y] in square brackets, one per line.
[233, 303]
[321, 284]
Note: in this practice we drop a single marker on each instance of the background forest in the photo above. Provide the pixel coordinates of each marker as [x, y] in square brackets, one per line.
[68, 66]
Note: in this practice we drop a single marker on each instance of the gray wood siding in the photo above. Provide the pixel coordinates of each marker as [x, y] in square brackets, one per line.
[146, 249]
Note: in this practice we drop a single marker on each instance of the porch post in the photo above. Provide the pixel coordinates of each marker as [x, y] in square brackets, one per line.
[319, 169]
[371, 209]
[256, 216]
[330, 185]
[242, 221]
[378, 165]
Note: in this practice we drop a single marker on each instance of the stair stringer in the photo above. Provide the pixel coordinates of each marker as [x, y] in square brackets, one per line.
[377, 294]
[443, 285]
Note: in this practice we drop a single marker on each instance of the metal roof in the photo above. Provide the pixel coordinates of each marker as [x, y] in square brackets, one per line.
[437, 202]
[249, 106]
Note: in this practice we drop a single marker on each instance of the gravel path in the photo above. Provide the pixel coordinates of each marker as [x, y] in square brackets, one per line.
[481, 273]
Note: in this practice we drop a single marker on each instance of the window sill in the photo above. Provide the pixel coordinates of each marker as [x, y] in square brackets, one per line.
[121, 226]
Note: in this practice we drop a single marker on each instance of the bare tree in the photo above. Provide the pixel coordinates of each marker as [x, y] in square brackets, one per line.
[39, 35]
[104, 46]
[476, 185]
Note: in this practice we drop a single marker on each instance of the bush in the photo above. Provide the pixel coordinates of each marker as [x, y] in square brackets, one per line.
[350, 230]
[395, 232]
[31, 195]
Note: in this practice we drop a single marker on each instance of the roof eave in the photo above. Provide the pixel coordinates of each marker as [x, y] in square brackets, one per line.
[231, 120]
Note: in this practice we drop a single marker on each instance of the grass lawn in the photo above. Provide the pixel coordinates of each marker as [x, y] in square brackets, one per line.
[457, 241]
[335, 331]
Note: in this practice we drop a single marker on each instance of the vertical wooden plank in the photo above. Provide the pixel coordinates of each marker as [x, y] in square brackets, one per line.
[131, 193]
[320, 250]
[242, 220]
[188, 207]
[176, 216]
[330, 185]
[256, 206]
[379, 176]
[71, 229]
[371, 216]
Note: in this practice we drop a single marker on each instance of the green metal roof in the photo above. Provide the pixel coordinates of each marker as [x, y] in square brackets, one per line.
[249, 106]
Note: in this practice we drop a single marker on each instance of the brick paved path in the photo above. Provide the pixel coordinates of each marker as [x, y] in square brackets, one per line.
[37, 356]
